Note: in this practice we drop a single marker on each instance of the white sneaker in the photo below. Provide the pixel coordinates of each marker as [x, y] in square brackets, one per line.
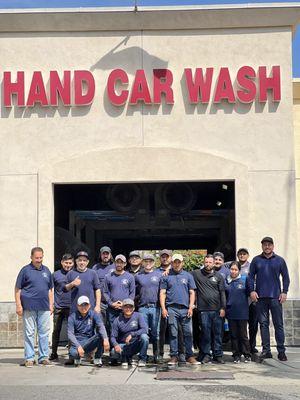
[142, 363]
[98, 362]
[77, 362]
[124, 364]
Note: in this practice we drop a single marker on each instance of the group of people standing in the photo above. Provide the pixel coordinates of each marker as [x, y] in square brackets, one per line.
[120, 307]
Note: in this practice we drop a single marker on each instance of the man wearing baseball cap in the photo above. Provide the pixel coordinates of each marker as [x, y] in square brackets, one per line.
[129, 335]
[177, 298]
[103, 267]
[119, 285]
[83, 281]
[86, 333]
[147, 295]
[266, 289]
[135, 262]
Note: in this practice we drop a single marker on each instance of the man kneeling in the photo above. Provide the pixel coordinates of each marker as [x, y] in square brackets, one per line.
[86, 332]
[129, 335]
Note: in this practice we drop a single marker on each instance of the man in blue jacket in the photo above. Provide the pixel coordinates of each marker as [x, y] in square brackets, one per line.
[129, 335]
[86, 332]
[265, 287]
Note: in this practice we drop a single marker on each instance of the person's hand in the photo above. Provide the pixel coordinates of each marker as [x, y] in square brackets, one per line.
[106, 345]
[190, 312]
[80, 351]
[117, 305]
[282, 297]
[128, 338]
[76, 281]
[254, 296]
[164, 313]
[19, 310]
[118, 349]
[97, 309]
[222, 313]
[166, 272]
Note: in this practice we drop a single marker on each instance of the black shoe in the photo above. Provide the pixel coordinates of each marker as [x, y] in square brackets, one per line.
[264, 355]
[70, 361]
[254, 350]
[206, 359]
[247, 359]
[282, 356]
[219, 360]
[236, 359]
[53, 357]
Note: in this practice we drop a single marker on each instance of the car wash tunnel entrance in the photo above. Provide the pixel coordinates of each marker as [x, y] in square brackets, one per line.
[139, 216]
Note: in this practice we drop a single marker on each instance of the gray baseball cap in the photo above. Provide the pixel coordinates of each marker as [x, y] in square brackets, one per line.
[135, 253]
[149, 257]
[120, 257]
[105, 249]
[165, 251]
[128, 302]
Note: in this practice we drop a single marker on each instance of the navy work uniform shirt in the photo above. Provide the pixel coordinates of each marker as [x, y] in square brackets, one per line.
[89, 283]
[237, 293]
[265, 275]
[62, 298]
[178, 286]
[82, 328]
[123, 327]
[119, 287]
[35, 284]
[102, 271]
[147, 287]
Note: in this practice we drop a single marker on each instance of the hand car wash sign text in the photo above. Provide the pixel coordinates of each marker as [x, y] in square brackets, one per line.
[78, 88]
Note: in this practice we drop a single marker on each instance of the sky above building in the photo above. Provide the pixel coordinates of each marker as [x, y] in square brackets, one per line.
[11, 4]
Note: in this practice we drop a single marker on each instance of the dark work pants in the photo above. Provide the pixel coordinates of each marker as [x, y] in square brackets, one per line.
[163, 329]
[264, 307]
[58, 316]
[253, 325]
[239, 337]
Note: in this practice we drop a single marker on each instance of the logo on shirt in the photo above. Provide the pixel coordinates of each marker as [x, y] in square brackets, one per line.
[213, 279]
[184, 281]
[89, 321]
[154, 279]
[125, 282]
[240, 286]
[45, 275]
[133, 324]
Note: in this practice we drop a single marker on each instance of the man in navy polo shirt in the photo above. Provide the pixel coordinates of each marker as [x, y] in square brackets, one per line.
[103, 267]
[119, 285]
[177, 298]
[34, 301]
[129, 335]
[147, 296]
[83, 282]
[267, 291]
[62, 301]
[86, 333]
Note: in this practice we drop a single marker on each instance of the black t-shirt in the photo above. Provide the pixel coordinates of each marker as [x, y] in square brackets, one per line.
[210, 290]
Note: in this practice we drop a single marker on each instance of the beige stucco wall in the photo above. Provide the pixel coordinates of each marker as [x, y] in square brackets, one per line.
[254, 145]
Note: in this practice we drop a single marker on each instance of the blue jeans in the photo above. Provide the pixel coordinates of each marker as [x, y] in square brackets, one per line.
[211, 322]
[88, 345]
[264, 306]
[138, 345]
[36, 321]
[178, 316]
[111, 315]
[151, 316]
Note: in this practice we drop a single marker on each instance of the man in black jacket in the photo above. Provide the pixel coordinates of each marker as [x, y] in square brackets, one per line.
[211, 305]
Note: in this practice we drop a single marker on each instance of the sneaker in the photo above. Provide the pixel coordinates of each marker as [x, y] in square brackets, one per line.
[70, 361]
[160, 358]
[124, 364]
[77, 362]
[206, 359]
[45, 363]
[28, 364]
[142, 363]
[219, 360]
[181, 359]
[53, 357]
[98, 362]
[264, 355]
[236, 359]
[173, 361]
[282, 356]
[247, 359]
[254, 350]
[192, 361]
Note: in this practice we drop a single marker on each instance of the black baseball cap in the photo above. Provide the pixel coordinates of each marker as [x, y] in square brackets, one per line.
[242, 249]
[82, 254]
[267, 239]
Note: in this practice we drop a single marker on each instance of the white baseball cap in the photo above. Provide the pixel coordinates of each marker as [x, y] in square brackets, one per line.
[177, 257]
[83, 300]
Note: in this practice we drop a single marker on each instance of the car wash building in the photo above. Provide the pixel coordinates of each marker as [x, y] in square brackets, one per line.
[147, 128]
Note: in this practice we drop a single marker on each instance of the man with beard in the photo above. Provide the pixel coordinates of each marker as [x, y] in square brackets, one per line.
[211, 305]
[62, 301]
[103, 267]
